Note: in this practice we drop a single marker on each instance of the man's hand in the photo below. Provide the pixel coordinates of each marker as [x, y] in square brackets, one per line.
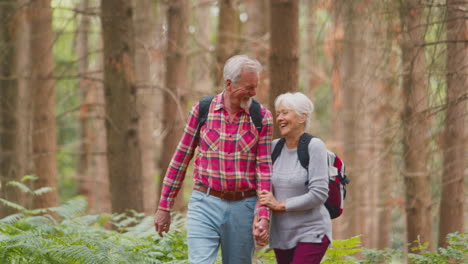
[261, 230]
[162, 221]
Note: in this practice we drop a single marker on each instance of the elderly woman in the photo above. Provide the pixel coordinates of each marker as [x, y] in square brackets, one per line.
[301, 226]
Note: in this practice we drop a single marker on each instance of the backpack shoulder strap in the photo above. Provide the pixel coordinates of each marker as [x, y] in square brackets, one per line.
[276, 152]
[256, 115]
[303, 149]
[203, 108]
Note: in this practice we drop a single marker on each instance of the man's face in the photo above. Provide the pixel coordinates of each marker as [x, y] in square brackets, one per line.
[244, 89]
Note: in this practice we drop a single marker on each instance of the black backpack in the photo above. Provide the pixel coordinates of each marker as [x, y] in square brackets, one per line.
[204, 107]
[337, 179]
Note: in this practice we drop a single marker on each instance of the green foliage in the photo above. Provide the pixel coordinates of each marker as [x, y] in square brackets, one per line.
[341, 249]
[373, 256]
[456, 251]
[64, 234]
[77, 238]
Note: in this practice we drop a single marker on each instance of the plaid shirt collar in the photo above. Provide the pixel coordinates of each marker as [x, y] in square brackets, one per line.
[219, 103]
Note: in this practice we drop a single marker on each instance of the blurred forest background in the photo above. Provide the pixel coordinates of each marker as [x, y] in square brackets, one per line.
[94, 96]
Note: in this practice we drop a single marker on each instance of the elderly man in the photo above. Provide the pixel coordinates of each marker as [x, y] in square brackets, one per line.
[232, 163]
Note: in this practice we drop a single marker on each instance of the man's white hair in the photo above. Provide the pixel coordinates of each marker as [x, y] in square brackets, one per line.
[299, 103]
[234, 66]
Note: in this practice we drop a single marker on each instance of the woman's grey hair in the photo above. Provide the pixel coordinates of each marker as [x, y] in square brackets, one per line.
[235, 65]
[298, 102]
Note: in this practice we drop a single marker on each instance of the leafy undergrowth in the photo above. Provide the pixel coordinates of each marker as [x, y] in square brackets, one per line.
[66, 234]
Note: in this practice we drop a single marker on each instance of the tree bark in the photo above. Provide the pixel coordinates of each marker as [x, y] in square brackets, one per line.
[453, 178]
[43, 85]
[354, 118]
[257, 46]
[122, 118]
[12, 137]
[93, 173]
[176, 85]
[415, 123]
[202, 62]
[144, 33]
[229, 29]
[85, 176]
[284, 41]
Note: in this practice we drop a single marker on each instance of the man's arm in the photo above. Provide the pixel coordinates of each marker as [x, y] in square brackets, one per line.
[264, 165]
[177, 169]
[175, 173]
[261, 223]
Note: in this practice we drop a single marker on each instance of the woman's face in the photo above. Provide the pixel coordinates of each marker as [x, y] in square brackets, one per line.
[288, 121]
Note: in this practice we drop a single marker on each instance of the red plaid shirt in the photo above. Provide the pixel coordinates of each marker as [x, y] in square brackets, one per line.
[232, 156]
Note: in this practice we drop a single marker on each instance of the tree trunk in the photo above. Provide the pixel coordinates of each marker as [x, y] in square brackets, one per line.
[42, 83]
[311, 71]
[453, 179]
[333, 50]
[122, 118]
[415, 123]
[229, 29]
[176, 85]
[354, 118]
[284, 41]
[257, 46]
[98, 165]
[202, 62]
[12, 137]
[85, 176]
[93, 173]
[144, 34]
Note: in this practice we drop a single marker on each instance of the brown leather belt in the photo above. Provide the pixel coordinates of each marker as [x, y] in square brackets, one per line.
[226, 195]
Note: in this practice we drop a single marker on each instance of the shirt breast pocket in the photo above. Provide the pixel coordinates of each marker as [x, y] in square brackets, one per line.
[248, 141]
[211, 138]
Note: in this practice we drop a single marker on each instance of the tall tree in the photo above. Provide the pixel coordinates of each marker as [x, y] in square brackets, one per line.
[378, 86]
[312, 68]
[176, 83]
[202, 62]
[229, 28]
[122, 117]
[93, 176]
[453, 178]
[284, 42]
[415, 122]
[354, 115]
[12, 137]
[43, 86]
[257, 45]
[144, 36]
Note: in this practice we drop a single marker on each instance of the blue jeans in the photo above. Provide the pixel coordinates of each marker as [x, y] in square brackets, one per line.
[212, 222]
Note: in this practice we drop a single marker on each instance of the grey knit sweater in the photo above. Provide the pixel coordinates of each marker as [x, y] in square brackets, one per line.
[306, 219]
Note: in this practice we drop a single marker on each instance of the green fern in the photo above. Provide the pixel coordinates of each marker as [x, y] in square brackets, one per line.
[341, 249]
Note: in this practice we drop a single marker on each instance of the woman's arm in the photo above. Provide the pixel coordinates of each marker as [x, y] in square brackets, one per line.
[267, 198]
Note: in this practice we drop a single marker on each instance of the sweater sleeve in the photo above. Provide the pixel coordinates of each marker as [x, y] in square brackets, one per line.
[318, 180]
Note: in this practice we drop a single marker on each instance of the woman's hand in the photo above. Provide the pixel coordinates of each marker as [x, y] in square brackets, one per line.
[267, 198]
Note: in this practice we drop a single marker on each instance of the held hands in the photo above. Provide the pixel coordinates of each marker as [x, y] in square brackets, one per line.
[162, 221]
[266, 198]
[261, 231]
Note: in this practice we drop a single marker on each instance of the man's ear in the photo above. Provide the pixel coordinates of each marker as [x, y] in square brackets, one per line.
[228, 84]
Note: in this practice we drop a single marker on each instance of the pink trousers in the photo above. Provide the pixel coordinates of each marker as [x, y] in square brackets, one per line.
[303, 253]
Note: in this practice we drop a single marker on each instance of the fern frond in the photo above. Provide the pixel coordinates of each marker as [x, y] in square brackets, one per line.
[11, 219]
[21, 186]
[72, 208]
[29, 178]
[42, 190]
[12, 205]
